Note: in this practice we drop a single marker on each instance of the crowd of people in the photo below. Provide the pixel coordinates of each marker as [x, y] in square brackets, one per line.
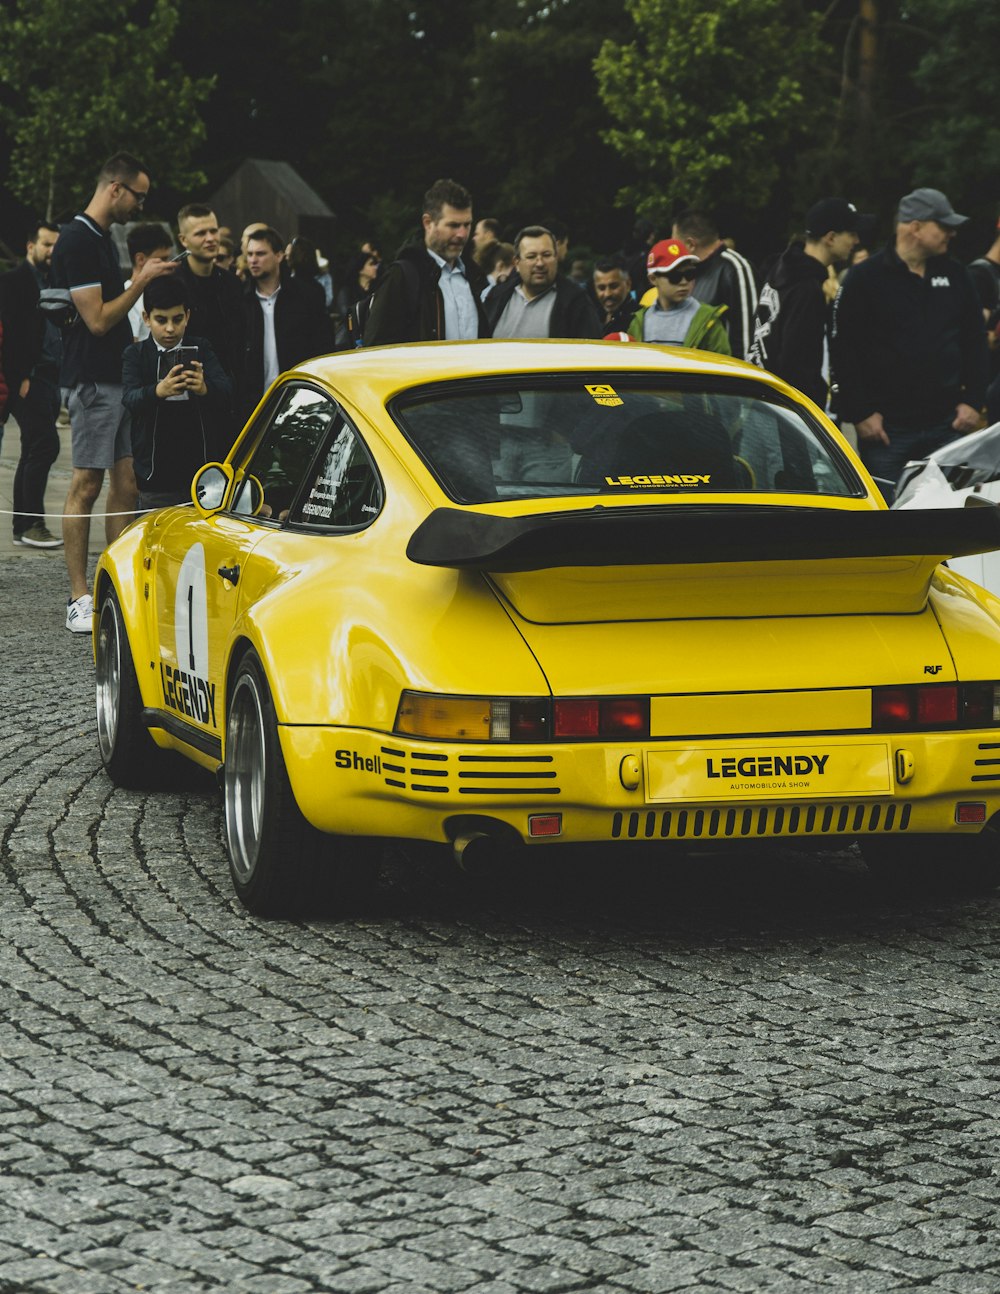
[158, 371]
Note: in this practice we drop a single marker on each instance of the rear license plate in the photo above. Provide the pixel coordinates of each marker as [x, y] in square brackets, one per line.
[767, 770]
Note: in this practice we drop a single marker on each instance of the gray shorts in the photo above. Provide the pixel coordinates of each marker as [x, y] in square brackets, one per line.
[101, 427]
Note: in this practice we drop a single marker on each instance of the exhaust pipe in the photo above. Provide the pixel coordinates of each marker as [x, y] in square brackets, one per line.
[469, 851]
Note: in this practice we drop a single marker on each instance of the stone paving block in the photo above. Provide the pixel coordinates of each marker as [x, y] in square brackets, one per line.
[694, 1076]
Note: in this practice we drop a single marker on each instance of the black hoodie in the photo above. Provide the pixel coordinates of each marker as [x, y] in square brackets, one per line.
[789, 327]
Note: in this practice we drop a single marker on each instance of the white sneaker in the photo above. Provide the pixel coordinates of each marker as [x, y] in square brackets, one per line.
[80, 614]
[38, 536]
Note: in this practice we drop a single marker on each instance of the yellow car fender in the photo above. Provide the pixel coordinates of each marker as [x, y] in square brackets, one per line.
[344, 654]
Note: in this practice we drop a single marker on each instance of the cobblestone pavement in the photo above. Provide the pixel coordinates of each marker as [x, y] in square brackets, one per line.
[736, 1075]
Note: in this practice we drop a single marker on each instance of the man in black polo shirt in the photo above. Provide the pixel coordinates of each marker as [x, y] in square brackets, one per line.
[85, 261]
[908, 350]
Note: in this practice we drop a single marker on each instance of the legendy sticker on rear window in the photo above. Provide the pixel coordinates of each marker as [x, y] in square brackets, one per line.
[654, 482]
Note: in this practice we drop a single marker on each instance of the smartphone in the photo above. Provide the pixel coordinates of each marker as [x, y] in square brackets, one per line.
[180, 255]
[169, 359]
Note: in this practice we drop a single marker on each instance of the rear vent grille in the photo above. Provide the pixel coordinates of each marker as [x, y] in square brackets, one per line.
[988, 765]
[739, 824]
[528, 776]
[524, 775]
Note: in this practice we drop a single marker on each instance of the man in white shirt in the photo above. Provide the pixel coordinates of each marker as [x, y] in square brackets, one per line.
[286, 323]
[432, 291]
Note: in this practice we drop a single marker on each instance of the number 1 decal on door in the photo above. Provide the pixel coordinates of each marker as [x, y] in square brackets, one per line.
[187, 687]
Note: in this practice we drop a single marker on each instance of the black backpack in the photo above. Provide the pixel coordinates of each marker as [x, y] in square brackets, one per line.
[56, 305]
[359, 313]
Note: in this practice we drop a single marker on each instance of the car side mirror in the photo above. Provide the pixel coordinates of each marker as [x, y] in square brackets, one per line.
[248, 499]
[210, 487]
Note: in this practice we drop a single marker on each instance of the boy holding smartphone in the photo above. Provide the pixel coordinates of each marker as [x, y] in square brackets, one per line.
[177, 395]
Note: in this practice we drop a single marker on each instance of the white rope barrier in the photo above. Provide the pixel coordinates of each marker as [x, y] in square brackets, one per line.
[62, 516]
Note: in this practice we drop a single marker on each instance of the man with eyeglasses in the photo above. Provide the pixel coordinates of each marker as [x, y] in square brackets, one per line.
[85, 261]
[675, 318]
[538, 302]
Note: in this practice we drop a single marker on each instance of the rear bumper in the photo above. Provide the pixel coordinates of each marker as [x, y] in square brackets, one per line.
[354, 782]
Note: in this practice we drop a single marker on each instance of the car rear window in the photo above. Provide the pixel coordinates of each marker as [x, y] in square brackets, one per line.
[542, 438]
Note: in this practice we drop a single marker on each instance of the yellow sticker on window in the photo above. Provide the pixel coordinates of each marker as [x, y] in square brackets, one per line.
[652, 482]
[603, 394]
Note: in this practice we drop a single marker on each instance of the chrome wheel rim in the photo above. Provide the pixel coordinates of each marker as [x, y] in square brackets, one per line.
[109, 679]
[245, 776]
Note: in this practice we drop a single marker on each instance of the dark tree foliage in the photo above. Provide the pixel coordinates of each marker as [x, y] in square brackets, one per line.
[583, 110]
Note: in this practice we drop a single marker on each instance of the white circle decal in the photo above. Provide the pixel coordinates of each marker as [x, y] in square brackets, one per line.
[191, 614]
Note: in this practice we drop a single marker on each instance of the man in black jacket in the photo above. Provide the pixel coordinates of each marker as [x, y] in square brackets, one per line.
[432, 291]
[789, 334]
[538, 302]
[286, 323]
[31, 351]
[908, 349]
[724, 277]
[215, 295]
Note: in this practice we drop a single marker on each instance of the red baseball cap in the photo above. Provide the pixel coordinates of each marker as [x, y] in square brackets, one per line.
[667, 255]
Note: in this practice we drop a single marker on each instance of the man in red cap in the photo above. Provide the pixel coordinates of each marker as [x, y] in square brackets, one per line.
[675, 318]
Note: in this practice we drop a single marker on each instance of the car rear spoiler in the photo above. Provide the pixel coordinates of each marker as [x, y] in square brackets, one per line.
[672, 535]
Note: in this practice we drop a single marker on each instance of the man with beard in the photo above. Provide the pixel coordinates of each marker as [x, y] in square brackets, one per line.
[432, 291]
[615, 298]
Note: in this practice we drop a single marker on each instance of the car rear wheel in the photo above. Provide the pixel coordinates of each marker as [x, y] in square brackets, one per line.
[952, 863]
[277, 860]
[129, 754]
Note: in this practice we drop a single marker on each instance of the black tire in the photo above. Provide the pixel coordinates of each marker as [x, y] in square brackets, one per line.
[266, 835]
[941, 864]
[278, 861]
[129, 754]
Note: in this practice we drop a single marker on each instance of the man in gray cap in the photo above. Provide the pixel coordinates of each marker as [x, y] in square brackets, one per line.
[908, 350]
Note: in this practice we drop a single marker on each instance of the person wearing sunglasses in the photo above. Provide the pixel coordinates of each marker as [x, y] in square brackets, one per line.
[675, 318]
[85, 263]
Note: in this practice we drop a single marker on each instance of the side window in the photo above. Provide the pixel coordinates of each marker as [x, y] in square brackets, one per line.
[345, 492]
[284, 455]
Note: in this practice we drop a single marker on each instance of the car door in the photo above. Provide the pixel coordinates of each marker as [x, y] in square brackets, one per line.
[202, 562]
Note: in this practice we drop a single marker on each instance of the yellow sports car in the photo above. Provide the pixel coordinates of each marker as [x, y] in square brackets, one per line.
[547, 592]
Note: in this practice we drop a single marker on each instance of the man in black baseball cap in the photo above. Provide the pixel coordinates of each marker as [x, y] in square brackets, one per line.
[790, 323]
[908, 347]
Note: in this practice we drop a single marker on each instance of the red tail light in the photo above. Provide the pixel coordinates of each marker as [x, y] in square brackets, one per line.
[605, 717]
[892, 707]
[576, 718]
[625, 717]
[935, 705]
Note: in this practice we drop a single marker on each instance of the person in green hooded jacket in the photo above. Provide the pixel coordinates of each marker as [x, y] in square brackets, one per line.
[675, 318]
